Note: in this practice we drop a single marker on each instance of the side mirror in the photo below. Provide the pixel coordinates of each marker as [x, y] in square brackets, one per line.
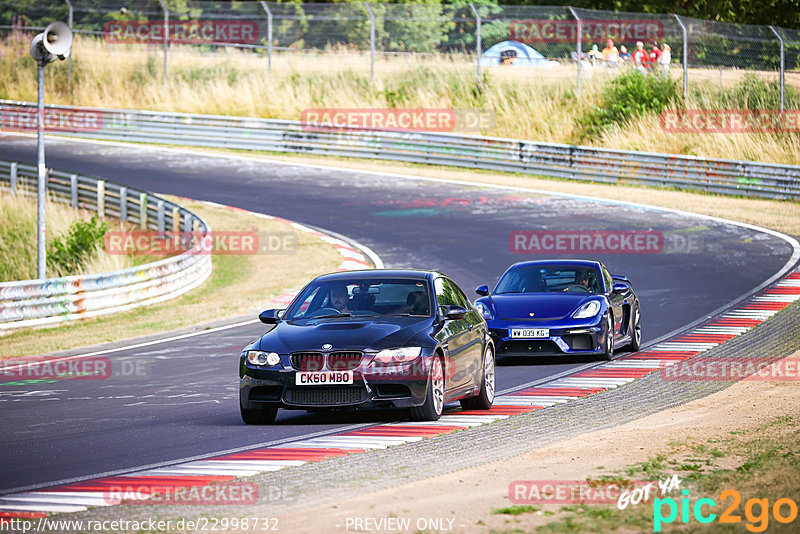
[454, 312]
[620, 288]
[482, 290]
[270, 316]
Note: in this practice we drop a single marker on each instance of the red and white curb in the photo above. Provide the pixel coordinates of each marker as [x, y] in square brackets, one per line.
[79, 496]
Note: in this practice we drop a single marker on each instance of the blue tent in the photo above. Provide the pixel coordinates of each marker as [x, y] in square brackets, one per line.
[524, 55]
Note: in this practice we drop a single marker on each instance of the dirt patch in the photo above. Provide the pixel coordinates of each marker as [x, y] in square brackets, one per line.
[468, 497]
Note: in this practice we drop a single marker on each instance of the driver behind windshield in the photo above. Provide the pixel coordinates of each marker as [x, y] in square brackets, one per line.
[340, 299]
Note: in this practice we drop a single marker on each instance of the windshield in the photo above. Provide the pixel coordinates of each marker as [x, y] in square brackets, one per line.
[549, 279]
[362, 298]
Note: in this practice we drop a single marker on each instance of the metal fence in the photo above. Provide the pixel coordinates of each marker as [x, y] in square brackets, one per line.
[547, 159]
[548, 38]
[29, 303]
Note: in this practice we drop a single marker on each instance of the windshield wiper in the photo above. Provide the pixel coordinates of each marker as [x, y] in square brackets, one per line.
[331, 316]
[407, 315]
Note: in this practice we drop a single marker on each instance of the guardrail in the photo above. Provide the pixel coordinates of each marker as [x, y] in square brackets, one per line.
[548, 159]
[28, 303]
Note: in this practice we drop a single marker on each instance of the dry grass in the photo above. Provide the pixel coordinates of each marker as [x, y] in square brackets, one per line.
[239, 285]
[18, 238]
[535, 104]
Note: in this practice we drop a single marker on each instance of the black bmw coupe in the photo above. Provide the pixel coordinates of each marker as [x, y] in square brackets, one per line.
[370, 339]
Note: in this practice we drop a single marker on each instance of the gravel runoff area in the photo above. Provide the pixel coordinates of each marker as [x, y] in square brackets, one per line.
[294, 489]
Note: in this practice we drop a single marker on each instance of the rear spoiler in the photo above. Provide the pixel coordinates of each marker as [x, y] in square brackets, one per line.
[621, 278]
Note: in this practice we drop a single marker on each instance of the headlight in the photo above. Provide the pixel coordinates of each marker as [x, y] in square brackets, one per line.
[403, 354]
[257, 357]
[484, 309]
[590, 309]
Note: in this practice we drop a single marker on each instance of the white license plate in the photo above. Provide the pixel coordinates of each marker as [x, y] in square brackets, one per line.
[529, 333]
[306, 378]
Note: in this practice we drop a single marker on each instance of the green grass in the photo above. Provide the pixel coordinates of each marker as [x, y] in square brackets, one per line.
[517, 509]
[770, 470]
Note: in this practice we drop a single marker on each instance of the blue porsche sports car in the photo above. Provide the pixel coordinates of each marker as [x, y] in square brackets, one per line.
[561, 307]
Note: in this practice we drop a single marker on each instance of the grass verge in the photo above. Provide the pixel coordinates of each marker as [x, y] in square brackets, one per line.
[18, 239]
[761, 464]
[523, 103]
[237, 286]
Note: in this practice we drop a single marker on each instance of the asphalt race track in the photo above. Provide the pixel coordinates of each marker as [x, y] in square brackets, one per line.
[182, 402]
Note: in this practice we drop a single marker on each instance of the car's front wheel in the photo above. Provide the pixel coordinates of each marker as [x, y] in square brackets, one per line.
[431, 409]
[263, 416]
[636, 329]
[608, 346]
[484, 399]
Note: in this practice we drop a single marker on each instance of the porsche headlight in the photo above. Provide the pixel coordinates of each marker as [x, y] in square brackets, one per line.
[484, 309]
[400, 355]
[257, 357]
[590, 309]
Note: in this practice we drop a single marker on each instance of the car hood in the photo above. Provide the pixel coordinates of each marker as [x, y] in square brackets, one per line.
[342, 334]
[542, 305]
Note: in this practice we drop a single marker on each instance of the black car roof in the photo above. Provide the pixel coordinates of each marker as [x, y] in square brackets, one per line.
[377, 274]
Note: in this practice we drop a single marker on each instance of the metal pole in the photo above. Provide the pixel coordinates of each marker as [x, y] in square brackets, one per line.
[166, 39]
[783, 65]
[477, 43]
[69, 60]
[269, 36]
[371, 42]
[685, 58]
[41, 185]
[579, 48]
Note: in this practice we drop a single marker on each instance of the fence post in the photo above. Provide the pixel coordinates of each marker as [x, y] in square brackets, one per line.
[371, 42]
[269, 36]
[160, 219]
[123, 203]
[783, 65]
[578, 46]
[69, 59]
[101, 198]
[176, 220]
[13, 178]
[166, 39]
[685, 58]
[73, 190]
[477, 43]
[143, 211]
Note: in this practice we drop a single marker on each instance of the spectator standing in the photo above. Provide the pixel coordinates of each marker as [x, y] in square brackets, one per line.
[610, 54]
[665, 59]
[595, 54]
[655, 55]
[641, 59]
[624, 55]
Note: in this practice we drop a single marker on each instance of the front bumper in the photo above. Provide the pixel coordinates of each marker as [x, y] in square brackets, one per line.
[562, 341]
[397, 387]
